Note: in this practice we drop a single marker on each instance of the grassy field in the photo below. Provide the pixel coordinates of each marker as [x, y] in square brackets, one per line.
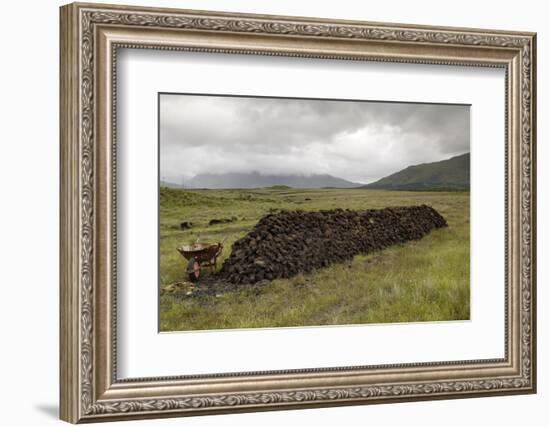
[424, 280]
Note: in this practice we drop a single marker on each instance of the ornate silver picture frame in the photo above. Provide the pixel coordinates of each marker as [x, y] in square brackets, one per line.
[91, 35]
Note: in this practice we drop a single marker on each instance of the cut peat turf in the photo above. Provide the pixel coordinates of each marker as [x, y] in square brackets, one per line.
[287, 243]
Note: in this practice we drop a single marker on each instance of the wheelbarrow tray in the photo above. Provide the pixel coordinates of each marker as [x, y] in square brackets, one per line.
[202, 252]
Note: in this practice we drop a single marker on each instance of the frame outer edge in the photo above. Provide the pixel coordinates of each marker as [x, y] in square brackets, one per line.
[305, 19]
[69, 355]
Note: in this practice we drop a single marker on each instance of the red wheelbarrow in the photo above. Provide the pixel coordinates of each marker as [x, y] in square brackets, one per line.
[200, 255]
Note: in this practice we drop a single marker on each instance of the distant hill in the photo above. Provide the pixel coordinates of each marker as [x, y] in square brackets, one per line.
[170, 184]
[257, 180]
[450, 174]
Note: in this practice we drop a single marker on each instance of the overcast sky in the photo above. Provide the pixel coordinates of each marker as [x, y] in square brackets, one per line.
[357, 141]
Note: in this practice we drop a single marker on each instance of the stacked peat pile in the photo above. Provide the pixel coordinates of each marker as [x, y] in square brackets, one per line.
[284, 244]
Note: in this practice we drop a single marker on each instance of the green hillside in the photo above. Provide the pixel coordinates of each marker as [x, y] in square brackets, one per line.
[448, 175]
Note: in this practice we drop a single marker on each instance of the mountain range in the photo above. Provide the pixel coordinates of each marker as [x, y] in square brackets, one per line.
[257, 180]
[445, 175]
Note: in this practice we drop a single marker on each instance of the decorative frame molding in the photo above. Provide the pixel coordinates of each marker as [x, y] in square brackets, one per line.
[90, 36]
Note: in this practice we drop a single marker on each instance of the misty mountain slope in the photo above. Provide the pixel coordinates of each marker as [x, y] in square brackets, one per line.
[257, 180]
[450, 174]
[170, 184]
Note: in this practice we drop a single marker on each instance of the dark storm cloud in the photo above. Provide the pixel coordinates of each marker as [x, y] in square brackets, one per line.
[359, 141]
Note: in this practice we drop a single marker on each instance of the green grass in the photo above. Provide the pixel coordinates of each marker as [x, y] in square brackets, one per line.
[424, 280]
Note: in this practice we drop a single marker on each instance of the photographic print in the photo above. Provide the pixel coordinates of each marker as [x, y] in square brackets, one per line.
[286, 212]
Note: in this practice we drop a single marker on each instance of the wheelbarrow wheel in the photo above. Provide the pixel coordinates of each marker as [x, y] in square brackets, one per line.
[193, 270]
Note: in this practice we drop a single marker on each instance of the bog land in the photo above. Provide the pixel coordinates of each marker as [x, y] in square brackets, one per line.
[420, 280]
